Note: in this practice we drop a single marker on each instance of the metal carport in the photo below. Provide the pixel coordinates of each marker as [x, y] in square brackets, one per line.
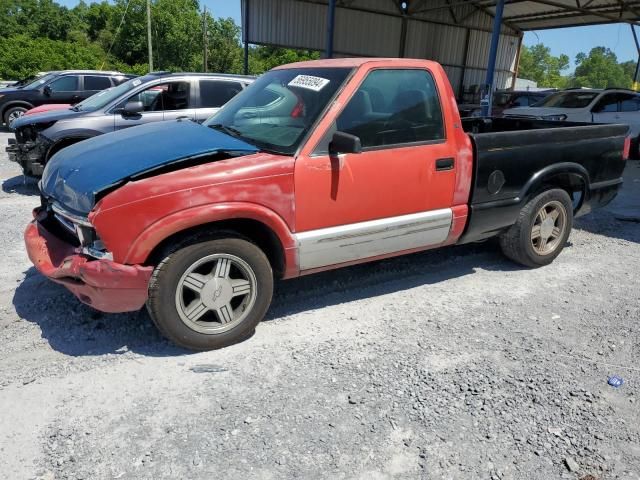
[476, 41]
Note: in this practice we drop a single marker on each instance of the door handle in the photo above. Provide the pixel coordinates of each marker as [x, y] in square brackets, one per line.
[445, 164]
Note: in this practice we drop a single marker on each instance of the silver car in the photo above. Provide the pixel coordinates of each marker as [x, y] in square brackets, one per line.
[152, 98]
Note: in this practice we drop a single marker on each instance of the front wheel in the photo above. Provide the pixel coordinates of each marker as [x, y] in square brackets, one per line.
[12, 114]
[212, 294]
[541, 230]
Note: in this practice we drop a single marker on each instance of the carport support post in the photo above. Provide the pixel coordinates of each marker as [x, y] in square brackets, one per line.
[635, 75]
[245, 31]
[331, 19]
[493, 53]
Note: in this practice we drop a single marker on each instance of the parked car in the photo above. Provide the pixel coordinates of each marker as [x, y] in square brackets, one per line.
[503, 99]
[611, 105]
[68, 86]
[24, 81]
[300, 173]
[48, 107]
[152, 98]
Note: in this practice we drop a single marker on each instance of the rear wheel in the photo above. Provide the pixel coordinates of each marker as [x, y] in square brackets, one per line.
[13, 113]
[211, 294]
[541, 231]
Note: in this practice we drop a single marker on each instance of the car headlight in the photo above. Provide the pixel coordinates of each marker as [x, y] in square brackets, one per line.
[555, 118]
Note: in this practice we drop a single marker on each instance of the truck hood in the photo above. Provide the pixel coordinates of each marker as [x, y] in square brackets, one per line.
[76, 175]
[45, 117]
[537, 111]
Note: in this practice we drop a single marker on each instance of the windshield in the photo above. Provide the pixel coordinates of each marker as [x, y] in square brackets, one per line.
[575, 99]
[277, 110]
[105, 97]
[39, 81]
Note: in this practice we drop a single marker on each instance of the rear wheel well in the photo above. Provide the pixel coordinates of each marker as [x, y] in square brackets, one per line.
[252, 230]
[574, 184]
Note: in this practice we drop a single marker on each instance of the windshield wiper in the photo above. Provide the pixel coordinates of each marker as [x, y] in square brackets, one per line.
[75, 108]
[234, 132]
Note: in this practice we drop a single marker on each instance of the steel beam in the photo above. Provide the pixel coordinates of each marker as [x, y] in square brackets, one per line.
[565, 7]
[493, 53]
[331, 19]
[245, 28]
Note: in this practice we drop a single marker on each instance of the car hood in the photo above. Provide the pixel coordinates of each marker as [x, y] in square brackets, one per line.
[76, 175]
[8, 90]
[47, 107]
[45, 117]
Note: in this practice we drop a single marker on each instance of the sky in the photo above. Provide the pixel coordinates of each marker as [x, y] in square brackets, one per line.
[569, 41]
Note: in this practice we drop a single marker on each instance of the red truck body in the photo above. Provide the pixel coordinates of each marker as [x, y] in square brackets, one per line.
[309, 211]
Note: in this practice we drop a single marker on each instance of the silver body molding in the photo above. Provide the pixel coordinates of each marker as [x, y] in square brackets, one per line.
[356, 241]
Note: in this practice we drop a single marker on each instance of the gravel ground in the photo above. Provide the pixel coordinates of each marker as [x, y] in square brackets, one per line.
[452, 364]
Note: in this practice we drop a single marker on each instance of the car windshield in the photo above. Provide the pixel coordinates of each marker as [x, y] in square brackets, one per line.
[277, 110]
[575, 99]
[39, 81]
[105, 97]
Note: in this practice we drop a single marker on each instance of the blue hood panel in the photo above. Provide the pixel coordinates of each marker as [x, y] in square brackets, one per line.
[45, 117]
[76, 174]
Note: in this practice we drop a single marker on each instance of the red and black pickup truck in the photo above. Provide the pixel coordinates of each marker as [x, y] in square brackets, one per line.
[315, 166]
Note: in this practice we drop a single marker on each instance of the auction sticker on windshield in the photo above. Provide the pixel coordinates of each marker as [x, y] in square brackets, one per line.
[309, 82]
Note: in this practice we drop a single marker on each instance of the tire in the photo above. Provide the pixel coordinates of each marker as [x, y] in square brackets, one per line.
[12, 113]
[525, 243]
[211, 294]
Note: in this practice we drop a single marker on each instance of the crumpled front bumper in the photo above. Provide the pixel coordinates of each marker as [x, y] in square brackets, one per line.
[29, 155]
[103, 284]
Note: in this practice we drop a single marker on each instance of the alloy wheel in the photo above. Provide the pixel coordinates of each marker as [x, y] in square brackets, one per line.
[548, 228]
[216, 293]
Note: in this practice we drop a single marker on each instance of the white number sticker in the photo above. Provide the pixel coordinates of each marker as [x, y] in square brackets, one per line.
[309, 82]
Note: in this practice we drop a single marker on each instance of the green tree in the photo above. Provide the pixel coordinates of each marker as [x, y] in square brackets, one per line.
[600, 69]
[537, 64]
[270, 57]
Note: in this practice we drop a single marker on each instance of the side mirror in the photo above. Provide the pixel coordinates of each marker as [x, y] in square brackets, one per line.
[132, 108]
[47, 90]
[343, 142]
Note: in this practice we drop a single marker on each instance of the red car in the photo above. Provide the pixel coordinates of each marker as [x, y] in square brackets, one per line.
[315, 166]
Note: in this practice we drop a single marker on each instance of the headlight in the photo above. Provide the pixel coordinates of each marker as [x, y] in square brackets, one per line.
[555, 118]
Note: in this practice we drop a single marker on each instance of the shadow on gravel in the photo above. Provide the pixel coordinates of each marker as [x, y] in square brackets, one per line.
[22, 185]
[621, 218]
[385, 277]
[77, 330]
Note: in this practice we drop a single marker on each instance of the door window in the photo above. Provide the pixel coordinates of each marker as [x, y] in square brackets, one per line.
[608, 103]
[520, 101]
[68, 83]
[629, 103]
[92, 82]
[164, 96]
[215, 93]
[412, 114]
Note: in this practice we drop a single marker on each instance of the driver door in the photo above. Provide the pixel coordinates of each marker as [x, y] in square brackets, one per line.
[393, 196]
[65, 89]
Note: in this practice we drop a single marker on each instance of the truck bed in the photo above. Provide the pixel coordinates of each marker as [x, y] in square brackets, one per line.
[515, 157]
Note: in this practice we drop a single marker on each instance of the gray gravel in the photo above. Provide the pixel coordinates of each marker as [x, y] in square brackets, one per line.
[453, 364]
